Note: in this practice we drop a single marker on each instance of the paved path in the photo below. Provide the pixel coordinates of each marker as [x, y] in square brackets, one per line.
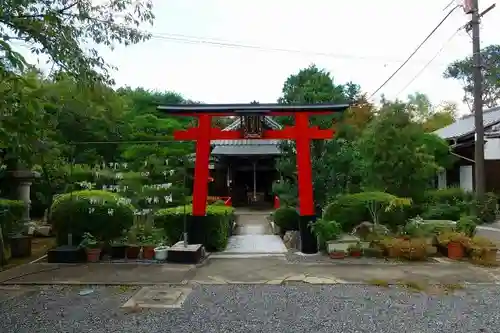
[235, 309]
[253, 237]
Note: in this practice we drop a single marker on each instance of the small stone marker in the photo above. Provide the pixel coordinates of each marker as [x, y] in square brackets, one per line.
[158, 298]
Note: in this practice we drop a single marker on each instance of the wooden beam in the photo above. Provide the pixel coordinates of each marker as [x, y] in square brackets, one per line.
[287, 133]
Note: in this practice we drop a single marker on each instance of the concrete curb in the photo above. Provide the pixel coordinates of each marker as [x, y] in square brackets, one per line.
[232, 283]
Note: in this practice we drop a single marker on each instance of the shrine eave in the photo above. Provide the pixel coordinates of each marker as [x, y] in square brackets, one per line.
[242, 109]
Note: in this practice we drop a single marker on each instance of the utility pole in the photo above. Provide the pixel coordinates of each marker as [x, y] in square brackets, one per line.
[480, 181]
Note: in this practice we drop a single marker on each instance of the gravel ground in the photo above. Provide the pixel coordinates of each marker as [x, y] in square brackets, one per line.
[218, 309]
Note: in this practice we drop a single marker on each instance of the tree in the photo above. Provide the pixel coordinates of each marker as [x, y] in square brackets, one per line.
[462, 70]
[431, 117]
[445, 114]
[332, 160]
[398, 157]
[63, 30]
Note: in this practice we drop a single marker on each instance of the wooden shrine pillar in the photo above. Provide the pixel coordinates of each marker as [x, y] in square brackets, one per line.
[307, 210]
[201, 171]
[304, 165]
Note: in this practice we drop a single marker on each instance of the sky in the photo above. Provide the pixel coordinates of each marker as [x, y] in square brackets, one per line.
[362, 41]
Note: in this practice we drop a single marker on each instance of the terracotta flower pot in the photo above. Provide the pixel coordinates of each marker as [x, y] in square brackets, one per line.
[337, 255]
[355, 253]
[133, 252]
[455, 250]
[93, 255]
[148, 252]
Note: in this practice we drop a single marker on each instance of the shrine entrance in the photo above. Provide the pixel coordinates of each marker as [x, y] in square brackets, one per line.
[251, 117]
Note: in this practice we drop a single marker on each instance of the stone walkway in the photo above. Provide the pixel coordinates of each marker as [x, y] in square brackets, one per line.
[253, 237]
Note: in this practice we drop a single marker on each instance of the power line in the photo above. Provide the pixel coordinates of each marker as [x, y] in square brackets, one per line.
[193, 40]
[430, 61]
[415, 51]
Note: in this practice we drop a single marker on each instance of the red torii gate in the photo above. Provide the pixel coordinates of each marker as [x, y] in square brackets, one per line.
[301, 132]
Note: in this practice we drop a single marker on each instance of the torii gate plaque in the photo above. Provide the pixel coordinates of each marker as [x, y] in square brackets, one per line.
[301, 132]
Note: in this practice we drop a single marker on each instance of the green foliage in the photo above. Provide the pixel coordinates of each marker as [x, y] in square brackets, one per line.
[333, 161]
[214, 230]
[58, 30]
[351, 209]
[286, 218]
[11, 212]
[467, 225]
[451, 196]
[396, 153]
[442, 211]
[103, 214]
[325, 231]
[89, 241]
[485, 209]
[462, 71]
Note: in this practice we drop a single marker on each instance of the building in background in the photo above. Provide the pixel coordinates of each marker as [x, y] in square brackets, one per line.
[461, 136]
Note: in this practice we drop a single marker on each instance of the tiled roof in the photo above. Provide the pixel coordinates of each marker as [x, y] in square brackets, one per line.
[245, 146]
[465, 126]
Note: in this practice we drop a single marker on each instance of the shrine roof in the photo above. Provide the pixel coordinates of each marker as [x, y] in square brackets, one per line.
[242, 109]
[248, 146]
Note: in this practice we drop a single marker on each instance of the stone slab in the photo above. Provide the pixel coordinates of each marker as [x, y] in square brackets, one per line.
[159, 298]
[255, 244]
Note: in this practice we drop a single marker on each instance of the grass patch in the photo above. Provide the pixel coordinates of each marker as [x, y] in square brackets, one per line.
[379, 283]
[413, 285]
[124, 288]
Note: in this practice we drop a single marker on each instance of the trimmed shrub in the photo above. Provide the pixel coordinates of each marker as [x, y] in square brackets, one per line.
[286, 218]
[442, 211]
[350, 210]
[486, 210]
[103, 214]
[213, 232]
[453, 196]
[11, 212]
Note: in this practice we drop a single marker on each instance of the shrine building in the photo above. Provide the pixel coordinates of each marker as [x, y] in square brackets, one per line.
[245, 169]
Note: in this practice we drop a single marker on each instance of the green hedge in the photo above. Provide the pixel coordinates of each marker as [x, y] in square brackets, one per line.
[11, 212]
[88, 211]
[450, 196]
[349, 210]
[286, 218]
[214, 232]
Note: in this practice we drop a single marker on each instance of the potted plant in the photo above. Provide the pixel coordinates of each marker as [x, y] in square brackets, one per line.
[133, 249]
[414, 249]
[483, 249]
[355, 250]
[91, 246]
[336, 254]
[148, 246]
[119, 247]
[327, 232]
[454, 243]
[161, 252]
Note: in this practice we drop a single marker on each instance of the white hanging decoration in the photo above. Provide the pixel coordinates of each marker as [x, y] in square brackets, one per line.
[156, 200]
[124, 165]
[172, 172]
[91, 210]
[168, 198]
[93, 201]
[149, 200]
[111, 211]
[119, 175]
